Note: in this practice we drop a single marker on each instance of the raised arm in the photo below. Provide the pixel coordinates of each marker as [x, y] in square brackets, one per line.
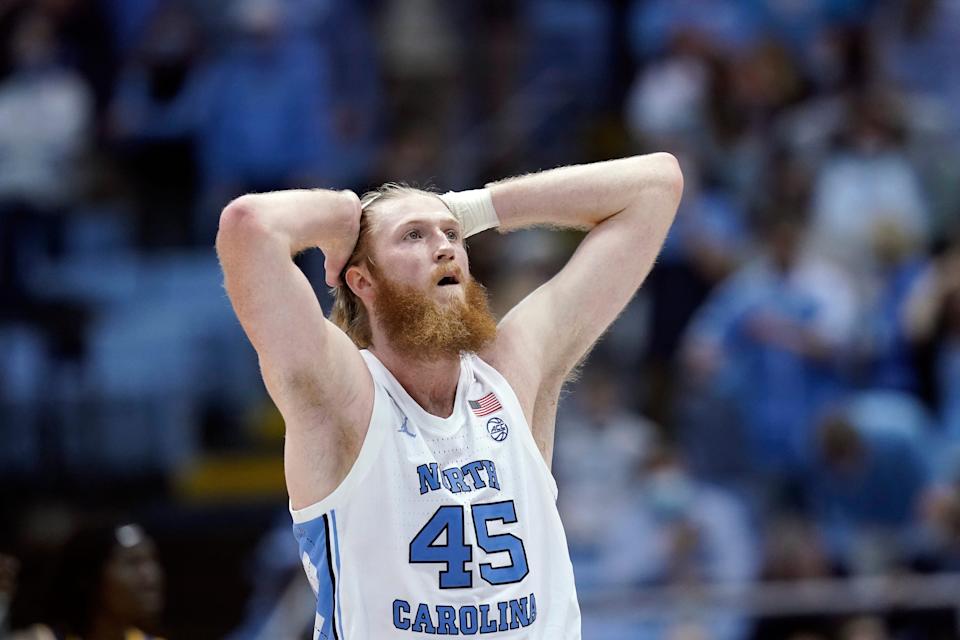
[311, 369]
[627, 205]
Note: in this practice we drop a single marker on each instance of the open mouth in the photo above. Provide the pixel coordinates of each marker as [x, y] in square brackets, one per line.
[448, 280]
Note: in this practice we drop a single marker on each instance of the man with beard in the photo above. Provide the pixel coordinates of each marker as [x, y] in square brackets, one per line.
[420, 431]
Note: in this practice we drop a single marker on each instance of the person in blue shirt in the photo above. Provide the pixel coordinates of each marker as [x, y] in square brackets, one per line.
[771, 344]
[871, 469]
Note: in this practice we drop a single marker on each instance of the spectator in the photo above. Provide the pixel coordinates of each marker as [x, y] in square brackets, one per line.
[941, 514]
[914, 41]
[268, 123]
[911, 41]
[933, 320]
[693, 534]
[596, 458]
[667, 99]
[706, 243]
[45, 122]
[567, 57]
[344, 31]
[422, 58]
[259, 110]
[772, 341]
[793, 551]
[867, 478]
[725, 23]
[889, 358]
[281, 600]
[46, 127]
[804, 26]
[149, 123]
[866, 183]
[109, 585]
[87, 44]
[110, 580]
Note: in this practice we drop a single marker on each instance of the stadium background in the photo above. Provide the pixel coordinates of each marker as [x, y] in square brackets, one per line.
[764, 446]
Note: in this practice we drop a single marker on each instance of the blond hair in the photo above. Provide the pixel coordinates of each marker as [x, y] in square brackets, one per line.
[348, 311]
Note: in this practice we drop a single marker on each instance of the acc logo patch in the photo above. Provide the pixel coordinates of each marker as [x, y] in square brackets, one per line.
[497, 429]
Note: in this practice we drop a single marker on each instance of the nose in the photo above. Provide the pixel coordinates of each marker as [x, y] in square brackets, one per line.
[444, 251]
[152, 573]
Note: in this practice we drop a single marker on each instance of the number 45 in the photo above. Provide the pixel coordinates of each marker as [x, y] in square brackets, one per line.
[455, 554]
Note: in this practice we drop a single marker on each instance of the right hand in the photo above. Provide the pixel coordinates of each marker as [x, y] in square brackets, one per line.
[339, 246]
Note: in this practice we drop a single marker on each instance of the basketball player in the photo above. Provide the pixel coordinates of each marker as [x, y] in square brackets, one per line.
[419, 431]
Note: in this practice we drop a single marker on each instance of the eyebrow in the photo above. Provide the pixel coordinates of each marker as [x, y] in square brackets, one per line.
[422, 221]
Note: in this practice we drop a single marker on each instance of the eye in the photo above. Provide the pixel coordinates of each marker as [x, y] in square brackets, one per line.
[452, 235]
[413, 234]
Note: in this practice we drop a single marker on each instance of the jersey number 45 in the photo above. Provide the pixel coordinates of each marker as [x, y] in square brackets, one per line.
[455, 553]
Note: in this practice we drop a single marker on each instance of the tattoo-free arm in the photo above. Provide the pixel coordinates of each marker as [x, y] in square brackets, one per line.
[311, 369]
[627, 206]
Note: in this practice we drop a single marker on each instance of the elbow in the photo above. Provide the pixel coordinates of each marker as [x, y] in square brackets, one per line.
[237, 212]
[669, 175]
[238, 220]
[657, 186]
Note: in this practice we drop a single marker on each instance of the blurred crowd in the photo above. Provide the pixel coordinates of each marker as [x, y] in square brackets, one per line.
[780, 403]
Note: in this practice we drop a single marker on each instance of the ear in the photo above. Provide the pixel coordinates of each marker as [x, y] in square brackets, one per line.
[358, 279]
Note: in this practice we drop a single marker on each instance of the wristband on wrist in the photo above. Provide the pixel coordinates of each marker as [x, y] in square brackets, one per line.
[474, 209]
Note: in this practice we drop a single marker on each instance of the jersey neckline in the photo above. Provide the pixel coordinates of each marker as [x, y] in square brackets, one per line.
[422, 417]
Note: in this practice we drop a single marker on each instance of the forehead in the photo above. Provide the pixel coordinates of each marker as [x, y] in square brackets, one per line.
[142, 551]
[398, 211]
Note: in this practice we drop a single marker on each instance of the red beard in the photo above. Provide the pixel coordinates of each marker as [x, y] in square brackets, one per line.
[420, 328]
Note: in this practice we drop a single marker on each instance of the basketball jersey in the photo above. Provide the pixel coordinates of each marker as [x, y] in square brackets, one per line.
[443, 526]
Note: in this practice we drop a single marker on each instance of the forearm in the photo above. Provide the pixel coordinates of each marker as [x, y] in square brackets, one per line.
[583, 196]
[301, 218]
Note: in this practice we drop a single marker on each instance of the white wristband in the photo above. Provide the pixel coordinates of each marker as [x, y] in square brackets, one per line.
[474, 209]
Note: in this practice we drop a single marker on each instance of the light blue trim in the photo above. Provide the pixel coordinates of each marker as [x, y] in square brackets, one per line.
[336, 550]
[312, 540]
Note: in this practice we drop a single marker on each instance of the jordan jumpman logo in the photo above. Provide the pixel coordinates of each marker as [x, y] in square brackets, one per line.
[403, 429]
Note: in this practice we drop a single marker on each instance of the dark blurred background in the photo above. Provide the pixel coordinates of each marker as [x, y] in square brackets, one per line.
[764, 446]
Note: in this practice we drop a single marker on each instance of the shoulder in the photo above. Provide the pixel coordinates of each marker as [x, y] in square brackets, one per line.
[537, 395]
[512, 359]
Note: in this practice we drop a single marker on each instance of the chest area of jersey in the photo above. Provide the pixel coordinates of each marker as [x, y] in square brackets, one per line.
[475, 457]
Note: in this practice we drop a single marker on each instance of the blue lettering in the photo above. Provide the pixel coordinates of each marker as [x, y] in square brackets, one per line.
[503, 606]
[429, 477]
[457, 479]
[473, 468]
[468, 620]
[446, 620]
[454, 480]
[486, 625]
[491, 474]
[401, 613]
[423, 624]
[518, 614]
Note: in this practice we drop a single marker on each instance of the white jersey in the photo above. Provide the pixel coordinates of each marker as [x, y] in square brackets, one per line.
[444, 526]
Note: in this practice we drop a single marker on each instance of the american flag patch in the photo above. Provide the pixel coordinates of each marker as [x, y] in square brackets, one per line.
[486, 405]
